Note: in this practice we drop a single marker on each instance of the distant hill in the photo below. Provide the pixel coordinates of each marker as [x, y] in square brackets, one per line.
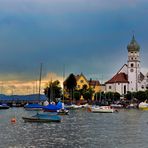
[31, 97]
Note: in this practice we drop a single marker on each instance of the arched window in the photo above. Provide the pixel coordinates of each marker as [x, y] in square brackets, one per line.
[132, 65]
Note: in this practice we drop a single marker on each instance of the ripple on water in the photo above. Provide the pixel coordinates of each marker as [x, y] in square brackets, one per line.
[126, 129]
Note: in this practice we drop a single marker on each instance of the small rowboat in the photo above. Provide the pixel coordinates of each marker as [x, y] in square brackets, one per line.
[42, 118]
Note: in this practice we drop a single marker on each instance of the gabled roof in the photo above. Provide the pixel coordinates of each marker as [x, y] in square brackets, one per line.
[123, 69]
[79, 76]
[94, 83]
[118, 78]
[141, 77]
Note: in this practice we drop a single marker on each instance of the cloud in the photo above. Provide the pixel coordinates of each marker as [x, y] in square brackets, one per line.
[17, 87]
[62, 6]
[85, 36]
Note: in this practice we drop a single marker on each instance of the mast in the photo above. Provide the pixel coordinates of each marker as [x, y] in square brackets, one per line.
[63, 81]
[40, 80]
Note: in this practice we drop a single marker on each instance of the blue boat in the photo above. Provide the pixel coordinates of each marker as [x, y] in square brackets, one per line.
[53, 107]
[36, 107]
[4, 106]
[42, 118]
[59, 108]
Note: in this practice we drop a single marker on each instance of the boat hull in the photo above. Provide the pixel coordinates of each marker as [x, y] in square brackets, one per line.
[42, 118]
[33, 109]
[4, 107]
[102, 109]
[32, 119]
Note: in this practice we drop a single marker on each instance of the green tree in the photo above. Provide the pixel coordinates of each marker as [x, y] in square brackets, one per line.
[53, 90]
[109, 96]
[141, 96]
[129, 95]
[77, 95]
[88, 94]
[71, 84]
[146, 94]
[116, 96]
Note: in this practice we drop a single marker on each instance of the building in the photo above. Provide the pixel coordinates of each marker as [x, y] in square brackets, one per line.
[83, 83]
[129, 77]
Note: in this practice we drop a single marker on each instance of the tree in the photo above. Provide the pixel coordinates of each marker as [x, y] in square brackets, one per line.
[71, 84]
[141, 96]
[77, 95]
[53, 90]
[129, 95]
[109, 96]
[116, 96]
[88, 94]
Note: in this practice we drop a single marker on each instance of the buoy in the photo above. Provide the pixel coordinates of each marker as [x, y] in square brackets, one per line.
[13, 120]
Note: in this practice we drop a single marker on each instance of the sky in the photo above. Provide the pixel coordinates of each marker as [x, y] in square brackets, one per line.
[67, 36]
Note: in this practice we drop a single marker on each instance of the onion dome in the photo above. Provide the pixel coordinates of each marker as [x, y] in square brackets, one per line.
[133, 45]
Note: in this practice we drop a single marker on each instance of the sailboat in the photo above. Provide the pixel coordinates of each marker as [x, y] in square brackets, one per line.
[42, 117]
[35, 106]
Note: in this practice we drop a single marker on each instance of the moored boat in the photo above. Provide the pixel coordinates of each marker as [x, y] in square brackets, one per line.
[102, 109]
[42, 118]
[35, 107]
[143, 106]
[116, 106]
[4, 106]
[63, 112]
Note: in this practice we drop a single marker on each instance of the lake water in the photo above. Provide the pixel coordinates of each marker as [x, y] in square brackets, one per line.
[79, 129]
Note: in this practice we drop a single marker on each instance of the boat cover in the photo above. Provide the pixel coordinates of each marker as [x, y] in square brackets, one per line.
[53, 107]
[33, 106]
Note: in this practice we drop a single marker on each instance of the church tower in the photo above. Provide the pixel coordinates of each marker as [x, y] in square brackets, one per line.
[133, 65]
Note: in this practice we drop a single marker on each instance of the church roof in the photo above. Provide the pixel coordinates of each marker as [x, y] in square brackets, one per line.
[141, 76]
[118, 78]
[133, 45]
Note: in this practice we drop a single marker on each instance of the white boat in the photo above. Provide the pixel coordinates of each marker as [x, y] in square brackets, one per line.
[116, 106]
[102, 109]
[143, 106]
[73, 106]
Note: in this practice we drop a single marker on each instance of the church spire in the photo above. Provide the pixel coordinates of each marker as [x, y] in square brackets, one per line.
[133, 45]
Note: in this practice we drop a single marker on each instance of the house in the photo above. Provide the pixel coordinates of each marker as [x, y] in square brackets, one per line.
[84, 83]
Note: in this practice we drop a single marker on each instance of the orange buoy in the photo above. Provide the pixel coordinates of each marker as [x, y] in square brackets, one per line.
[13, 120]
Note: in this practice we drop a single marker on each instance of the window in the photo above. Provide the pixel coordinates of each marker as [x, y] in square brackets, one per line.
[81, 81]
[110, 87]
[142, 87]
[132, 65]
[124, 89]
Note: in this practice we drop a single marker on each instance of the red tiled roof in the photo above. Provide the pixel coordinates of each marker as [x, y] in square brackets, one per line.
[119, 78]
[94, 83]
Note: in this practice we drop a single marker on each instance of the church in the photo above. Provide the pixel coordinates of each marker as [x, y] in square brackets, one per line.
[129, 77]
